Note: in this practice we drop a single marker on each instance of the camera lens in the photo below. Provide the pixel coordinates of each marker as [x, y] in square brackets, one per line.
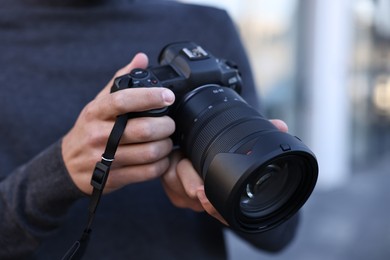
[256, 176]
[269, 189]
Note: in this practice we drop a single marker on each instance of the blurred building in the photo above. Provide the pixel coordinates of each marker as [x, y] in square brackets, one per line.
[324, 68]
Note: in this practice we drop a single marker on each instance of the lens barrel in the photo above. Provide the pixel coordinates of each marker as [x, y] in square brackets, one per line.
[256, 176]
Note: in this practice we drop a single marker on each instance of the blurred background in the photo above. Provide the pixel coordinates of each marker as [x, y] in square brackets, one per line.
[324, 68]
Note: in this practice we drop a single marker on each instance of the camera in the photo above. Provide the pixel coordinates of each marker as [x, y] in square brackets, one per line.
[256, 176]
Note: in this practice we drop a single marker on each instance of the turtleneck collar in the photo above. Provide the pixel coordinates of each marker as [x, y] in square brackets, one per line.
[63, 3]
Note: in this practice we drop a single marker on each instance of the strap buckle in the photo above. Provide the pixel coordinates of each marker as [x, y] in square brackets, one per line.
[100, 175]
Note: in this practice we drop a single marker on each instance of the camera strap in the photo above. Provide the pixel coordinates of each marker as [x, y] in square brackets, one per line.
[98, 181]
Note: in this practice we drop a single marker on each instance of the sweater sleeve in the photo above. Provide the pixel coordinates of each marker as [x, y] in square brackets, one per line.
[33, 200]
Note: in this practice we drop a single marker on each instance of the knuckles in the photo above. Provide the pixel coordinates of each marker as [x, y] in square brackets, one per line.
[143, 129]
[146, 129]
[155, 170]
[155, 152]
[119, 102]
[96, 137]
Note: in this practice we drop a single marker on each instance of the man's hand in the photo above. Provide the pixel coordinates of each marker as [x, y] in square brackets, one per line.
[145, 145]
[185, 187]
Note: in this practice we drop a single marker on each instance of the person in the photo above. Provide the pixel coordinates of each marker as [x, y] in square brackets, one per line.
[56, 56]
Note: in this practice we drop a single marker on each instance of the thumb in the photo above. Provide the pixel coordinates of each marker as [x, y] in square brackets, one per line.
[140, 60]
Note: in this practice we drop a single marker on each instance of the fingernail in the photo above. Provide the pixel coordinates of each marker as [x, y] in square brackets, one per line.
[168, 96]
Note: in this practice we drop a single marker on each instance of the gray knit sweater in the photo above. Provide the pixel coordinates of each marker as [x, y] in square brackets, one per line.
[55, 56]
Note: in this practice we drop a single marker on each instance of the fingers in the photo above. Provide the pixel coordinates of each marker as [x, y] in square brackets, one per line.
[142, 153]
[185, 188]
[189, 178]
[175, 189]
[194, 188]
[145, 129]
[208, 207]
[281, 125]
[122, 176]
[131, 100]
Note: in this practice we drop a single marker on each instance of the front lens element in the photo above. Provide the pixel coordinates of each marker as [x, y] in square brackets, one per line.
[269, 188]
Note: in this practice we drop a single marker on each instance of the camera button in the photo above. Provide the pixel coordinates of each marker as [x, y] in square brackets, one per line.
[139, 73]
[285, 147]
[138, 84]
[153, 81]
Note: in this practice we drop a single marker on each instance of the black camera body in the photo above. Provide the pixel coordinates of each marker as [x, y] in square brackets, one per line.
[184, 67]
[254, 175]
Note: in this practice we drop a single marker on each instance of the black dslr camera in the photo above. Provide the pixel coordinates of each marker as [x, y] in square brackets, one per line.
[256, 176]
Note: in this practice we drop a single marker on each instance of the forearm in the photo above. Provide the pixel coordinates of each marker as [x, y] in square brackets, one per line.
[33, 200]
